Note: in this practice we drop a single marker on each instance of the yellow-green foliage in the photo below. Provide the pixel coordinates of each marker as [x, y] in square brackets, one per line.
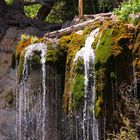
[128, 11]
[91, 27]
[71, 44]
[20, 66]
[31, 11]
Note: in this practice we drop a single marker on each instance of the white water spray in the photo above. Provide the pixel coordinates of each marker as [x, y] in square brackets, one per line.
[88, 55]
[25, 113]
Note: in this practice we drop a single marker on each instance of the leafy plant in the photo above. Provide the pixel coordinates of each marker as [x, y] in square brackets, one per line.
[128, 11]
[9, 2]
[32, 10]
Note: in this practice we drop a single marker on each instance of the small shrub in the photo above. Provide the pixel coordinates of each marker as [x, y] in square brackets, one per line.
[128, 11]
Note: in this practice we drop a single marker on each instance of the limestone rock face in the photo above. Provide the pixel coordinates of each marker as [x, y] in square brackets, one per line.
[8, 42]
[7, 124]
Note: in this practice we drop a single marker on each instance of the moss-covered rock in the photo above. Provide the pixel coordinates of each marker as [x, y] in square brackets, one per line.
[115, 39]
[77, 89]
[70, 44]
[117, 49]
[20, 66]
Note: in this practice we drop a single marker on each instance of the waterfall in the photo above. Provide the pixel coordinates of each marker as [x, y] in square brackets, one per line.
[88, 56]
[31, 102]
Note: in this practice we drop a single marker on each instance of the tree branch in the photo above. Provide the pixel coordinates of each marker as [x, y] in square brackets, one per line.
[69, 30]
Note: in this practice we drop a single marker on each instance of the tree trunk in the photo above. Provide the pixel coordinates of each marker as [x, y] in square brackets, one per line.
[44, 10]
[80, 8]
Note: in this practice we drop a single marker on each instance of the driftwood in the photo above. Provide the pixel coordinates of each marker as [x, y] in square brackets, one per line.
[70, 29]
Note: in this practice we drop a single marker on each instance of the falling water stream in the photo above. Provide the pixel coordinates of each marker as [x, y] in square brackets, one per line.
[88, 55]
[31, 104]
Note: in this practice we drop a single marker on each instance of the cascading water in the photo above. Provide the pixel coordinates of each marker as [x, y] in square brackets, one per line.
[88, 56]
[31, 104]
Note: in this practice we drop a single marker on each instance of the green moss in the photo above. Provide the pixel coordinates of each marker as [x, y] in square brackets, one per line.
[51, 56]
[78, 89]
[98, 106]
[70, 45]
[78, 66]
[20, 67]
[103, 50]
[114, 39]
[77, 83]
[91, 27]
[99, 90]
[102, 58]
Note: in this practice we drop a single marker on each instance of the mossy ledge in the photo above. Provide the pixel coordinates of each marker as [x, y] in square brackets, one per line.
[116, 42]
[115, 55]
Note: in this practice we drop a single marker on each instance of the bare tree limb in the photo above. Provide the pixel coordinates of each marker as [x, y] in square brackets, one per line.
[68, 30]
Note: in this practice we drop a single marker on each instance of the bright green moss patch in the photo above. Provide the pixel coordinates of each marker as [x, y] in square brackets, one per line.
[103, 50]
[77, 83]
[20, 66]
[115, 39]
[77, 89]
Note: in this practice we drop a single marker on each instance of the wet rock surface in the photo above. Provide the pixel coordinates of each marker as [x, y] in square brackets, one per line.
[8, 42]
[7, 124]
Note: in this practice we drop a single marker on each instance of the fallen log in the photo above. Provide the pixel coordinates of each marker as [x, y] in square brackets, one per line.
[68, 30]
[74, 28]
